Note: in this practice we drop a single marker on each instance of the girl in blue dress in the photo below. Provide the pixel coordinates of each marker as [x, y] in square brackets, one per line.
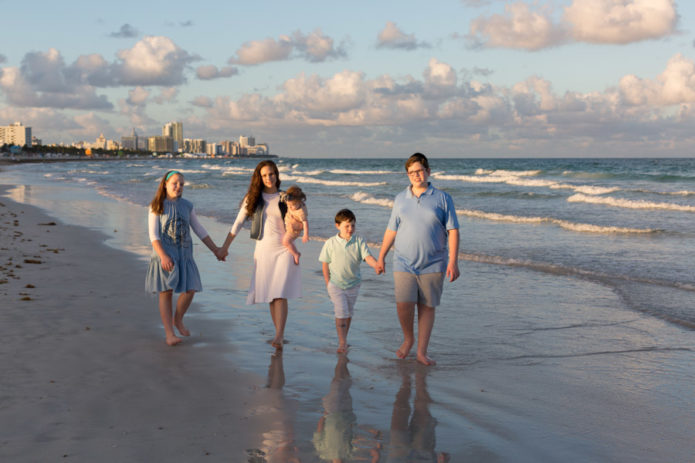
[172, 268]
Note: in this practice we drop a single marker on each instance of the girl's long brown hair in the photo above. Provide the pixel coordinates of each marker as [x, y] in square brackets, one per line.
[157, 204]
[253, 196]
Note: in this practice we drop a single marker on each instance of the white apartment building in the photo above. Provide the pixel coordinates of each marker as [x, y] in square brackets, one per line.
[174, 130]
[15, 134]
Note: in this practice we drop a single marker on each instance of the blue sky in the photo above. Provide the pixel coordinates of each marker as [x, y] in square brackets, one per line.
[449, 77]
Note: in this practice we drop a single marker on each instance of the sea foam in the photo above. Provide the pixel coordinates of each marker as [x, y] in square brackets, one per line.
[628, 204]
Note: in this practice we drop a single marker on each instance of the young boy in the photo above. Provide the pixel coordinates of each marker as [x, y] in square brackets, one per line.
[341, 257]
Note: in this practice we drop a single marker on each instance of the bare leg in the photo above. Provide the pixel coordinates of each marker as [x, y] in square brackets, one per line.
[288, 242]
[278, 312]
[342, 326]
[167, 319]
[406, 317]
[182, 304]
[425, 323]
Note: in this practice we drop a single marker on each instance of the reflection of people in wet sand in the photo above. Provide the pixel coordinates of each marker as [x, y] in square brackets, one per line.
[335, 438]
[413, 436]
[278, 443]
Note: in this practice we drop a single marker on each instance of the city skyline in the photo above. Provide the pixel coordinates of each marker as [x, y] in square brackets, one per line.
[477, 78]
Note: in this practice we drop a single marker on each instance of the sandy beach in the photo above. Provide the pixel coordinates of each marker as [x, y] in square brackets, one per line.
[544, 367]
[87, 374]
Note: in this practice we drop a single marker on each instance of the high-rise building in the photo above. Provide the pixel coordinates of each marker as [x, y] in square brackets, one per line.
[131, 142]
[174, 130]
[161, 144]
[15, 134]
[195, 145]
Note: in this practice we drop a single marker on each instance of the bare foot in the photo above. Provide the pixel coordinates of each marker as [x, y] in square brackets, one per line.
[173, 340]
[276, 344]
[404, 350]
[425, 360]
[182, 329]
[342, 348]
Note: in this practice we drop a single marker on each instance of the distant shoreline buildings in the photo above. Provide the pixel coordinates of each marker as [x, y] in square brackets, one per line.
[170, 142]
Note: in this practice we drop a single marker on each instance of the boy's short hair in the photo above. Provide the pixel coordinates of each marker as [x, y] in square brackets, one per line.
[417, 157]
[343, 215]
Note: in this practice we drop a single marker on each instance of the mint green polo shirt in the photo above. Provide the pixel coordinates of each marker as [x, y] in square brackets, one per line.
[344, 259]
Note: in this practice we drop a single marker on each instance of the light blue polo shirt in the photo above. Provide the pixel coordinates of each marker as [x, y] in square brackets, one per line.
[344, 258]
[421, 226]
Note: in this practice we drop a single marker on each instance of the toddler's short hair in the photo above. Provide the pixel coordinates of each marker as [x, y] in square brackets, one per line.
[294, 193]
[343, 215]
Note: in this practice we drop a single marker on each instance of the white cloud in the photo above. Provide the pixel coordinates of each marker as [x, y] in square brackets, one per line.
[167, 95]
[440, 79]
[212, 72]
[43, 80]
[621, 21]
[138, 96]
[262, 51]
[314, 47]
[676, 85]
[202, 102]
[520, 27]
[392, 37]
[153, 61]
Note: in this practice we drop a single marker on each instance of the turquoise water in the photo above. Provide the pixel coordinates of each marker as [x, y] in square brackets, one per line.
[568, 336]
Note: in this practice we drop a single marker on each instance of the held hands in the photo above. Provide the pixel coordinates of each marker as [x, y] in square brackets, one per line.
[305, 238]
[379, 267]
[221, 254]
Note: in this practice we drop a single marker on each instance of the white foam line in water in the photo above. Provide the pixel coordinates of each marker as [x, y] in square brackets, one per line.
[628, 204]
[364, 198]
[515, 179]
[360, 172]
[567, 225]
[300, 179]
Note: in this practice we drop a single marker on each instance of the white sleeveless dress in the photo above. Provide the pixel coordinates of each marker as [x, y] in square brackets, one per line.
[275, 275]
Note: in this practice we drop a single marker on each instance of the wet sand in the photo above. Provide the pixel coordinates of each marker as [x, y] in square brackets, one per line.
[86, 373]
[531, 367]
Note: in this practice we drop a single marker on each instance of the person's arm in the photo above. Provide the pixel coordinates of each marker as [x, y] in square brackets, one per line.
[326, 272]
[200, 231]
[155, 239]
[240, 219]
[386, 243]
[305, 238]
[452, 268]
[372, 263]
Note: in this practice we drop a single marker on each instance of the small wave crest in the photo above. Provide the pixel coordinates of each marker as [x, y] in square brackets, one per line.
[567, 225]
[360, 172]
[302, 179]
[628, 203]
[364, 198]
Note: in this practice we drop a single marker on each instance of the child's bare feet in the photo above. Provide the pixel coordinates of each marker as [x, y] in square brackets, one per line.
[182, 329]
[404, 350]
[173, 340]
[425, 360]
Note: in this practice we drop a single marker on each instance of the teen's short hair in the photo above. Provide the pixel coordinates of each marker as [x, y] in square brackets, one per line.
[343, 215]
[417, 157]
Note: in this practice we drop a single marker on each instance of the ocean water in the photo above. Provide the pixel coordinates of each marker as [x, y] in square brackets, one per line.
[568, 336]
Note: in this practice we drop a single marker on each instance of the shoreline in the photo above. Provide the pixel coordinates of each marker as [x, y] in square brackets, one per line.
[91, 377]
[25, 159]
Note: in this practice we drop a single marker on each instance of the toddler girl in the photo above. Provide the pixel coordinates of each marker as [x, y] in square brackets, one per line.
[295, 219]
[172, 268]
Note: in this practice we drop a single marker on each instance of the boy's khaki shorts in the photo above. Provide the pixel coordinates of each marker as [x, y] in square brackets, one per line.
[425, 289]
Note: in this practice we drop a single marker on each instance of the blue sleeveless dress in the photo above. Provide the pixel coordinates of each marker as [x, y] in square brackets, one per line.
[175, 236]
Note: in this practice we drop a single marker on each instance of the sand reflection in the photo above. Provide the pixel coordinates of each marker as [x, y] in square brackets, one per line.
[412, 435]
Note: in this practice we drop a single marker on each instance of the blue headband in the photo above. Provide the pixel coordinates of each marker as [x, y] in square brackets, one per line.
[173, 172]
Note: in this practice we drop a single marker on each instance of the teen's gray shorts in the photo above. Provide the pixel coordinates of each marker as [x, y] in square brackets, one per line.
[424, 289]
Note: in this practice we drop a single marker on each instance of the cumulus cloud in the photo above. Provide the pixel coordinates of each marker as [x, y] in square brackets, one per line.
[676, 85]
[154, 60]
[125, 32]
[595, 21]
[43, 80]
[314, 47]
[138, 96]
[392, 37]
[212, 72]
[440, 79]
[620, 22]
[519, 27]
[167, 95]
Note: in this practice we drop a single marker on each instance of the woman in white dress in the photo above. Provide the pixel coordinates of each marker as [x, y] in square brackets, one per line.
[276, 278]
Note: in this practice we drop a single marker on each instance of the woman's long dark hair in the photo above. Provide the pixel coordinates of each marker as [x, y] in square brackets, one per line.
[157, 204]
[253, 196]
